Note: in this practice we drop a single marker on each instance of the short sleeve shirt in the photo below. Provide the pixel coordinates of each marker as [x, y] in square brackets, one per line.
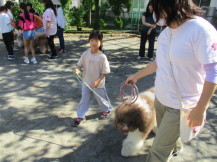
[5, 24]
[49, 15]
[93, 66]
[189, 46]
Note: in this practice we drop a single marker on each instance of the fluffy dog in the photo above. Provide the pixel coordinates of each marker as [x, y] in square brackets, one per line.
[136, 120]
[40, 42]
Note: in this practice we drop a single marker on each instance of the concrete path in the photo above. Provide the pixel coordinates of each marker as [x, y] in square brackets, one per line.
[38, 103]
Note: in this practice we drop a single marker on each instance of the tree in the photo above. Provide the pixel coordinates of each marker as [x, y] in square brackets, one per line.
[117, 8]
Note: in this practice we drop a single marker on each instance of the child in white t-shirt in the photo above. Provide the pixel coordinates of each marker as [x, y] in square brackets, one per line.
[7, 33]
[95, 67]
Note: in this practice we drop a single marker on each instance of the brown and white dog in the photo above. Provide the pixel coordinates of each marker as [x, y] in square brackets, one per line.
[40, 42]
[136, 120]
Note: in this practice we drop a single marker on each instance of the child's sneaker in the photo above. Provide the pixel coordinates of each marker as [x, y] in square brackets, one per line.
[34, 61]
[78, 121]
[10, 57]
[26, 60]
[104, 115]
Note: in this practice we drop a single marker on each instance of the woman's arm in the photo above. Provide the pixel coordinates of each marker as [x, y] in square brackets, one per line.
[147, 24]
[48, 24]
[196, 117]
[149, 69]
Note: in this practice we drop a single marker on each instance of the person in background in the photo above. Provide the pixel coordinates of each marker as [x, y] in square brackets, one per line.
[28, 25]
[61, 24]
[148, 33]
[50, 26]
[9, 5]
[39, 21]
[7, 31]
[29, 7]
[186, 72]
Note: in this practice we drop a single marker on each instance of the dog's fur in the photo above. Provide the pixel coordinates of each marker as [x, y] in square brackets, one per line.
[40, 42]
[136, 120]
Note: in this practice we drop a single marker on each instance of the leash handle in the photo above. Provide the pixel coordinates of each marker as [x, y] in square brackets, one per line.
[134, 93]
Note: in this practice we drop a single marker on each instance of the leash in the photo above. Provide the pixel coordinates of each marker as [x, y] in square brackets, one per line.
[134, 93]
[80, 80]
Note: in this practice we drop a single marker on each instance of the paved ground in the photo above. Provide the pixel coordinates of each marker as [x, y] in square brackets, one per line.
[38, 102]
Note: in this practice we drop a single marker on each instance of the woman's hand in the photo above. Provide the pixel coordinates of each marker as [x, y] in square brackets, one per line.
[196, 117]
[131, 79]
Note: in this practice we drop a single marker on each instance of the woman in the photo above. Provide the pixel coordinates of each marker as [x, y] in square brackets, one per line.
[61, 24]
[148, 33]
[189, 44]
[28, 25]
[50, 25]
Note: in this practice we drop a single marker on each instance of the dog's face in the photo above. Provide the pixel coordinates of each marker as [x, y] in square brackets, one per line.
[128, 118]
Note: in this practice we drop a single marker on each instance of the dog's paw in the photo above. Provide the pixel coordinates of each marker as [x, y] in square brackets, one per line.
[127, 149]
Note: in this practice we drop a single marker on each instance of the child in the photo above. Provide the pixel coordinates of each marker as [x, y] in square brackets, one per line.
[95, 67]
[7, 31]
[28, 25]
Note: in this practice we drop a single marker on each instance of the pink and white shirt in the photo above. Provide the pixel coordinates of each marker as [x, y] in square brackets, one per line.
[49, 16]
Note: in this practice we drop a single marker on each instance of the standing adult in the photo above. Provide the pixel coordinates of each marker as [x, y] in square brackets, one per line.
[148, 33]
[28, 24]
[186, 62]
[9, 5]
[50, 26]
[7, 32]
[61, 24]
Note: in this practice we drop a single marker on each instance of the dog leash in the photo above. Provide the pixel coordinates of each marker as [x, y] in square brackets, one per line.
[80, 80]
[134, 93]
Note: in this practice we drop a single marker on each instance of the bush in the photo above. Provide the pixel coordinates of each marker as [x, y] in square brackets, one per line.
[102, 24]
[118, 23]
[78, 14]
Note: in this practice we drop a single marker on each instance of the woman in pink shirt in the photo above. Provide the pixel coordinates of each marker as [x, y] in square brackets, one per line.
[50, 25]
[28, 25]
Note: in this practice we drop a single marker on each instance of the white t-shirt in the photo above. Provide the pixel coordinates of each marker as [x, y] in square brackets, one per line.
[10, 15]
[192, 45]
[5, 24]
[61, 20]
[49, 15]
[93, 66]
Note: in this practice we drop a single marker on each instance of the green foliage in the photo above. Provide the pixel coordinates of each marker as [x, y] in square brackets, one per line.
[64, 2]
[37, 5]
[102, 24]
[118, 23]
[104, 7]
[78, 14]
[16, 12]
[119, 6]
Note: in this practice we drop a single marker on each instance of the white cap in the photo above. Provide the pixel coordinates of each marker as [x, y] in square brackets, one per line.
[56, 2]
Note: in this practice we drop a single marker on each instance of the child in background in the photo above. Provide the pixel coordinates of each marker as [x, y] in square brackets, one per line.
[28, 25]
[95, 67]
[7, 31]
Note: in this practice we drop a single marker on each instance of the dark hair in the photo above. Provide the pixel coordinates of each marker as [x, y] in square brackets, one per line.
[175, 10]
[29, 4]
[32, 11]
[97, 35]
[148, 13]
[26, 13]
[49, 4]
[8, 4]
[2, 8]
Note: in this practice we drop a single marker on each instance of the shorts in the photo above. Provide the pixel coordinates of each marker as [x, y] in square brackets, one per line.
[40, 30]
[29, 34]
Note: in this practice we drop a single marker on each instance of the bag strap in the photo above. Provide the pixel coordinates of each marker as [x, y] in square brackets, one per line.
[171, 72]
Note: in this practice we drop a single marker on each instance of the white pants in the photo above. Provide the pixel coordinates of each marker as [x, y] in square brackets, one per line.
[85, 101]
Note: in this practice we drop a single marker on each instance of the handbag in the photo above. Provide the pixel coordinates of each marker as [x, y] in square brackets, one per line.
[186, 133]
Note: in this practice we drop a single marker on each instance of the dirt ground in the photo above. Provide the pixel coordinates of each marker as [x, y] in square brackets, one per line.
[38, 103]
